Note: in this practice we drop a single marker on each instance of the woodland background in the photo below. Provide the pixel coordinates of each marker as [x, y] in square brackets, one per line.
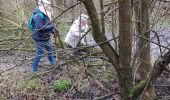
[128, 58]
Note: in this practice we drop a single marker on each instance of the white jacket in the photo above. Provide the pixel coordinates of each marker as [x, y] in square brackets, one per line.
[75, 34]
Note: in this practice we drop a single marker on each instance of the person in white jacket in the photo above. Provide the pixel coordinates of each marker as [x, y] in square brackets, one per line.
[77, 30]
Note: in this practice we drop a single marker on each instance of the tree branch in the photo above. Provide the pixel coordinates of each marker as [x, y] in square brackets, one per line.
[158, 68]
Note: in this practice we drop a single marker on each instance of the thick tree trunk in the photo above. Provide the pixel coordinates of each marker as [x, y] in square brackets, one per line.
[123, 68]
[125, 44]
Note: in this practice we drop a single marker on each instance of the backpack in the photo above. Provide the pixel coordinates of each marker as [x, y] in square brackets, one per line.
[30, 21]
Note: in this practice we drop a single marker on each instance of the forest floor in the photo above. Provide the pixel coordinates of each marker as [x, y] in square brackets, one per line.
[18, 82]
[90, 79]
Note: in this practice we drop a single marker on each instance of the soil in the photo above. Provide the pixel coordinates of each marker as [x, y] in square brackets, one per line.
[103, 82]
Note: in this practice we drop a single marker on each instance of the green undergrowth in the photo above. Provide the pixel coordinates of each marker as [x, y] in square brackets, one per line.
[30, 85]
[61, 85]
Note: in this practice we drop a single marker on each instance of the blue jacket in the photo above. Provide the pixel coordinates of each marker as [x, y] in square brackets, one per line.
[39, 22]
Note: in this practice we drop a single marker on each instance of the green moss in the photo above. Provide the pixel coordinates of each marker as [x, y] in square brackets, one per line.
[60, 85]
[137, 90]
[114, 56]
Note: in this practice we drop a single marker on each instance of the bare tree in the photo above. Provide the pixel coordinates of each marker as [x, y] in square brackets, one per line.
[143, 46]
[121, 61]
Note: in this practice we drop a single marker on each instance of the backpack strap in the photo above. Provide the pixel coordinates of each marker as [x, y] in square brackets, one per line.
[41, 15]
[30, 22]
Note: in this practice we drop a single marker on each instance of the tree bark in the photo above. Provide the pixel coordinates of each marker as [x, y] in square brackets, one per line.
[143, 45]
[125, 44]
[122, 61]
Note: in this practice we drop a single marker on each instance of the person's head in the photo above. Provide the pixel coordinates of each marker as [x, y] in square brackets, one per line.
[84, 19]
[45, 7]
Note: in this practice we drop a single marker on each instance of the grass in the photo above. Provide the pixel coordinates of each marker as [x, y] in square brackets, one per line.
[27, 86]
[61, 85]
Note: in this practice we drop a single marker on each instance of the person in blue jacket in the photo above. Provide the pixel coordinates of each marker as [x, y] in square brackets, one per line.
[42, 31]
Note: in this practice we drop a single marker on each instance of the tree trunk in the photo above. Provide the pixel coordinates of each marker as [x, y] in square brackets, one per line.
[142, 27]
[125, 44]
[143, 45]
